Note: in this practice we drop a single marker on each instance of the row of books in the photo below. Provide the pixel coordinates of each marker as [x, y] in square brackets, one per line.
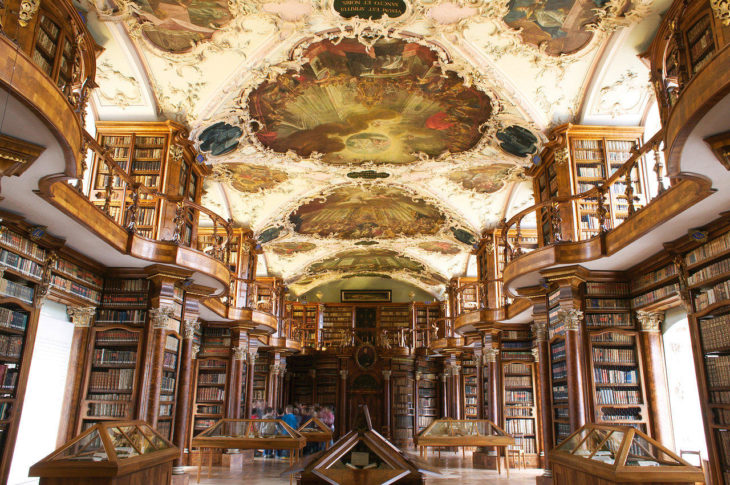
[718, 371]
[78, 272]
[511, 411]
[10, 346]
[124, 300]
[212, 363]
[169, 360]
[518, 396]
[561, 412]
[208, 409]
[607, 303]
[710, 296]
[618, 396]
[720, 397]
[211, 378]
[516, 355]
[588, 144]
[22, 244]
[109, 396]
[589, 155]
[594, 288]
[112, 410]
[591, 171]
[26, 266]
[714, 332]
[560, 370]
[557, 351]
[128, 317]
[168, 384]
[613, 338]
[8, 376]
[111, 380]
[5, 410]
[145, 166]
[603, 355]
[149, 141]
[528, 445]
[116, 337]
[127, 285]
[201, 424]
[120, 153]
[522, 381]
[149, 181]
[155, 153]
[518, 369]
[615, 376]
[710, 271]
[648, 279]
[520, 426]
[74, 288]
[721, 416]
[121, 357]
[656, 295]
[560, 393]
[109, 141]
[13, 319]
[165, 410]
[620, 414]
[210, 394]
[608, 320]
[709, 249]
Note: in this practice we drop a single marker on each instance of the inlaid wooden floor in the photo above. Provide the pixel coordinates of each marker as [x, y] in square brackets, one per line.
[455, 470]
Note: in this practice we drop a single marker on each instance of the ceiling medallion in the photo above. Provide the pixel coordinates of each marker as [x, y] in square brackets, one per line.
[370, 9]
[354, 103]
[368, 175]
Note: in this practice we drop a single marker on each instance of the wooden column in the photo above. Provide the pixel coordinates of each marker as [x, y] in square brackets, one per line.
[495, 385]
[445, 394]
[657, 391]
[81, 318]
[540, 330]
[246, 271]
[158, 319]
[342, 404]
[456, 390]
[239, 344]
[313, 375]
[416, 401]
[575, 366]
[184, 388]
[387, 405]
[479, 358]
[250, 365]
[274, 371]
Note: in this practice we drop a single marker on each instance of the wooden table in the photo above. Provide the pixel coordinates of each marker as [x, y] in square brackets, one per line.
[499, 442]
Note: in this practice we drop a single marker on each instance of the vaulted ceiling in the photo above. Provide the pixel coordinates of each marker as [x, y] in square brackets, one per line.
[359, 146]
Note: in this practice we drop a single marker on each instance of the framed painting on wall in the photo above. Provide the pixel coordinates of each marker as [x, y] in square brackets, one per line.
[365, 296]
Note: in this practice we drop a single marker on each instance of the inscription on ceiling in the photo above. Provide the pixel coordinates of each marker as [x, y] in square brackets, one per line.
[373, 9]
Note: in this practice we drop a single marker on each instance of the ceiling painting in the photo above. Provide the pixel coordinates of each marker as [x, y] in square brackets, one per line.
[249, 178]
[360, 212]
[291, 247]
[557, 26]
[176, 26]
[366, 261]
[440, 247]
[356, 104]
[517, 141]
[485, 180]
[220, 138]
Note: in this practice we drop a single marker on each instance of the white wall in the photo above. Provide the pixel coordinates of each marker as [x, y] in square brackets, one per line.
[683, 394]
[42, 408]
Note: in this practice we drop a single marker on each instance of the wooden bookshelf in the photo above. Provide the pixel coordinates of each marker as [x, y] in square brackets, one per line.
[469, 386]
[168, 390]
[578, 159]
[428, 393]
[209, 394]
[558, 370]
[144, 151]
[520, 405]
[326, 380]
[261, 377]
[403, 404]
[424, 316]
[305, 320]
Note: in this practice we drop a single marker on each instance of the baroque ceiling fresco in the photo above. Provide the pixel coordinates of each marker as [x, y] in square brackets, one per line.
[384, 145]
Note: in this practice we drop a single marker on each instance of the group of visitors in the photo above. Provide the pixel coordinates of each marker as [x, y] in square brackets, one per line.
[294, 415]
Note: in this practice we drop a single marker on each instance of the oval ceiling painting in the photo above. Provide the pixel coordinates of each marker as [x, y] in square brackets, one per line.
[366, 260]
[485, 180]
[441, 247]
[253, 178]
[354, 212]
[556, 25]
[175, 26]
[384, 104]
[288, 248]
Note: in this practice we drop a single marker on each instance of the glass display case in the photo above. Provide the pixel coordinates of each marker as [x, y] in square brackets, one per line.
[315, 431]
[110, 452]
[463, 432]
[249, 434]
[618, 454]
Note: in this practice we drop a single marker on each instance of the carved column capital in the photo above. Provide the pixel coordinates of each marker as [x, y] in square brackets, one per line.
[418, 376]
[27, 10]
[239, 353]
[81, 316]
[275, 370]
[196, 349]
[252, 355]
[444, 376]
[540, 330]
[650, 321]
[454, 370]
[722, 10]
[490, 356]
[190, 326]
[571, 318]
[343, 374]
[561, 156]
[160, 316]
[386, 374]
[536, 354]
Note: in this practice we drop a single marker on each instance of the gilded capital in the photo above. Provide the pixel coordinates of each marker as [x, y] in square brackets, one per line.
[27, 10]
[571, 318]
[540, 330]
[190, 327]
[252, 355]
[386, 374]
[490, 355]
[722, 10]
[343, 374]
[536, 354]
[650, 321]
[196, 349]
[239, 353]
[418, 376]
[160, 316]
[81, 316]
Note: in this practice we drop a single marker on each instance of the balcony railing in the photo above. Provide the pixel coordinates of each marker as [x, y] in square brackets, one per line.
[560, 205]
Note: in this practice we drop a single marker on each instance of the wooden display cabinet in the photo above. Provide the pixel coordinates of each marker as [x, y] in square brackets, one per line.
[614, 455]
[158, 156]
[578, 158]
[114, 453]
